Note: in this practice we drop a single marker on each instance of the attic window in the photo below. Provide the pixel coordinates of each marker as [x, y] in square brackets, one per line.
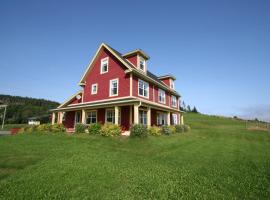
[172, 84]
[142, 64]
[104, 65]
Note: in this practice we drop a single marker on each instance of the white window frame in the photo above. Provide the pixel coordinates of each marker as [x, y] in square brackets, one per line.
[145, 87]
[175, 119]
[117, 80]
[143, 117]
[144, 63]
[164, 97]
[174, 103]
[113, 116]
[104, 60]
[161, 117]
[92, 88]
[87, 113]
[172, 83]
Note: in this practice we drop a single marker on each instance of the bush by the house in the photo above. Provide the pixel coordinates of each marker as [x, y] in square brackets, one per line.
[154, 130]
[44, 127]
[94, 128]
[138, 130]
[58, 128]
[173, 129]
[80, 128]
[182, 128]
[165, 130]
[109, 129]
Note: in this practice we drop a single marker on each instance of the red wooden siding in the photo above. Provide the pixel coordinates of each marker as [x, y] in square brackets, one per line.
[115, 70]
[133, 60]
[166, 81]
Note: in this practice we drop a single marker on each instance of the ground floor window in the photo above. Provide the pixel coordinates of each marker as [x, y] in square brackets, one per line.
[77, 117]
[110, 116]
[174, 116]
[161, 119]
[143, 117]
[91, 117]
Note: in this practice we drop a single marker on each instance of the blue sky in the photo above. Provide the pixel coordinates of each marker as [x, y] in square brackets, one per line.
[219, 50]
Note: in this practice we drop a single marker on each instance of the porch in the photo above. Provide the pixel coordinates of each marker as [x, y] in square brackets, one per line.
[123, 115]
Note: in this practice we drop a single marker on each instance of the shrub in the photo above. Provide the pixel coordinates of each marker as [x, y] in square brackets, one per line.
[22, 130]
[182, 128]
[80, 128]
[173, 129]
[138, 130]
[109, 129]
[154, 130]
[57, 128]
[165, 130]
[94, 128]
[44, 127]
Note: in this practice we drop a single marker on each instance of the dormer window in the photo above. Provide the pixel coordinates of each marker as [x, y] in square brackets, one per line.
[172, 84]
[104, 65]
[142, 64]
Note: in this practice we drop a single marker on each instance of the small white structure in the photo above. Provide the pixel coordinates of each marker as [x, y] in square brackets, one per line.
[33, 121]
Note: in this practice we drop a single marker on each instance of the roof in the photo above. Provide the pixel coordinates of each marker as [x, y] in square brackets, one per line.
[136, 51]
[166, 76]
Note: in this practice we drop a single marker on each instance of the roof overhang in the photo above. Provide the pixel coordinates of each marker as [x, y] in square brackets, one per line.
[166, 77]
[135, 52]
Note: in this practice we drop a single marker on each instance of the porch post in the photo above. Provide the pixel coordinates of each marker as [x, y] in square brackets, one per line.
[116, 115]
[83, 116]
[136, 114]
[148, 116]
[182, 119]
[130, 114]
[53, 118]
[169, 118]
[60, 120]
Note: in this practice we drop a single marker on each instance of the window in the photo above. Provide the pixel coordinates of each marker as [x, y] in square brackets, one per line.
[161, 96]
[172, 84]
[78, 117]
[174, 119]
[104, 65]
[110, 116]
[114, 87]
[142, 64]
[143, 88]
[143, 117]
[161, 119]
[174, 101]
[94, 88]
[91, 117]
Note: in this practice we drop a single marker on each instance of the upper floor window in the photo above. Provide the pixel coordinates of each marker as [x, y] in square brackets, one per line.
[174, 101]
[94, 88]
[91, 117]
[143, 88]
[142, 64]
[104, 65]
[172, 84]
[114, 87]
[161, 96]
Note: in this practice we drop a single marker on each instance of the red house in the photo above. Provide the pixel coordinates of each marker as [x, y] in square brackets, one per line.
[118, 88]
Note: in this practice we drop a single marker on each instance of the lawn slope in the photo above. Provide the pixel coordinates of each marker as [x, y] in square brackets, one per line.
[218, 159]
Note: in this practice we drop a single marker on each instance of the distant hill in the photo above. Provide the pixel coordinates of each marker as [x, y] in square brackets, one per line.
[21, 108]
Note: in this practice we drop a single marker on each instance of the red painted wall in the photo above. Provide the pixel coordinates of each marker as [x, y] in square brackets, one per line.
[101, 115]
[69, 119]
[75, 100]
[153, 117]
[133, 60]
[116, 70]
[166, 81]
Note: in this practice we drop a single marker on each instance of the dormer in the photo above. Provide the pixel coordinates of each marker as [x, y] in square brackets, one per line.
[168, 80]
[138, 58]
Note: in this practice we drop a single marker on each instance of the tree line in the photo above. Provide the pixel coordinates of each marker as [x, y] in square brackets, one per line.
[187, 108]
[19, 109]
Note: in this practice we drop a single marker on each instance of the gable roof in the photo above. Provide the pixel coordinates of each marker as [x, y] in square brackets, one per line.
[69, 99]
[129, 65]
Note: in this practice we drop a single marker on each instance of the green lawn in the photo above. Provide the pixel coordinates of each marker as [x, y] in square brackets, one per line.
[218, 159]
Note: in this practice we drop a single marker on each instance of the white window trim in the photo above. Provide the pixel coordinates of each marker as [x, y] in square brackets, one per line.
[88, 111]
[101, 62]
[113, 95]
[175, 101]
[144, 82]
[159, 90]
[92, 87]
[144, 63]
[109, 109]
[171, 84]
[142, 110]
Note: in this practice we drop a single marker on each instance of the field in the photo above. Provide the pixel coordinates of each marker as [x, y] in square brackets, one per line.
[218, 159]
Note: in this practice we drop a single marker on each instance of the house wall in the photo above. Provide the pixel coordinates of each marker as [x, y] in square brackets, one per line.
[133, 59]
[115, 70]
[166, 81]
[75, 100]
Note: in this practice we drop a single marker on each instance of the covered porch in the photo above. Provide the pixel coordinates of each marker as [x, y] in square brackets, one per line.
[123, 115]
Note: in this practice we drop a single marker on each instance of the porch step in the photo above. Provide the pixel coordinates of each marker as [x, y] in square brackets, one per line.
[126, 133]
[70, 130]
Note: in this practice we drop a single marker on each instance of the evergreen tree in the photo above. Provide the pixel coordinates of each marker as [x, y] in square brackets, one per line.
[194, 110]
[188, 108]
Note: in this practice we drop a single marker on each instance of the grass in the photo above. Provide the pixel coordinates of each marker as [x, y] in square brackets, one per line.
[218, 159]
